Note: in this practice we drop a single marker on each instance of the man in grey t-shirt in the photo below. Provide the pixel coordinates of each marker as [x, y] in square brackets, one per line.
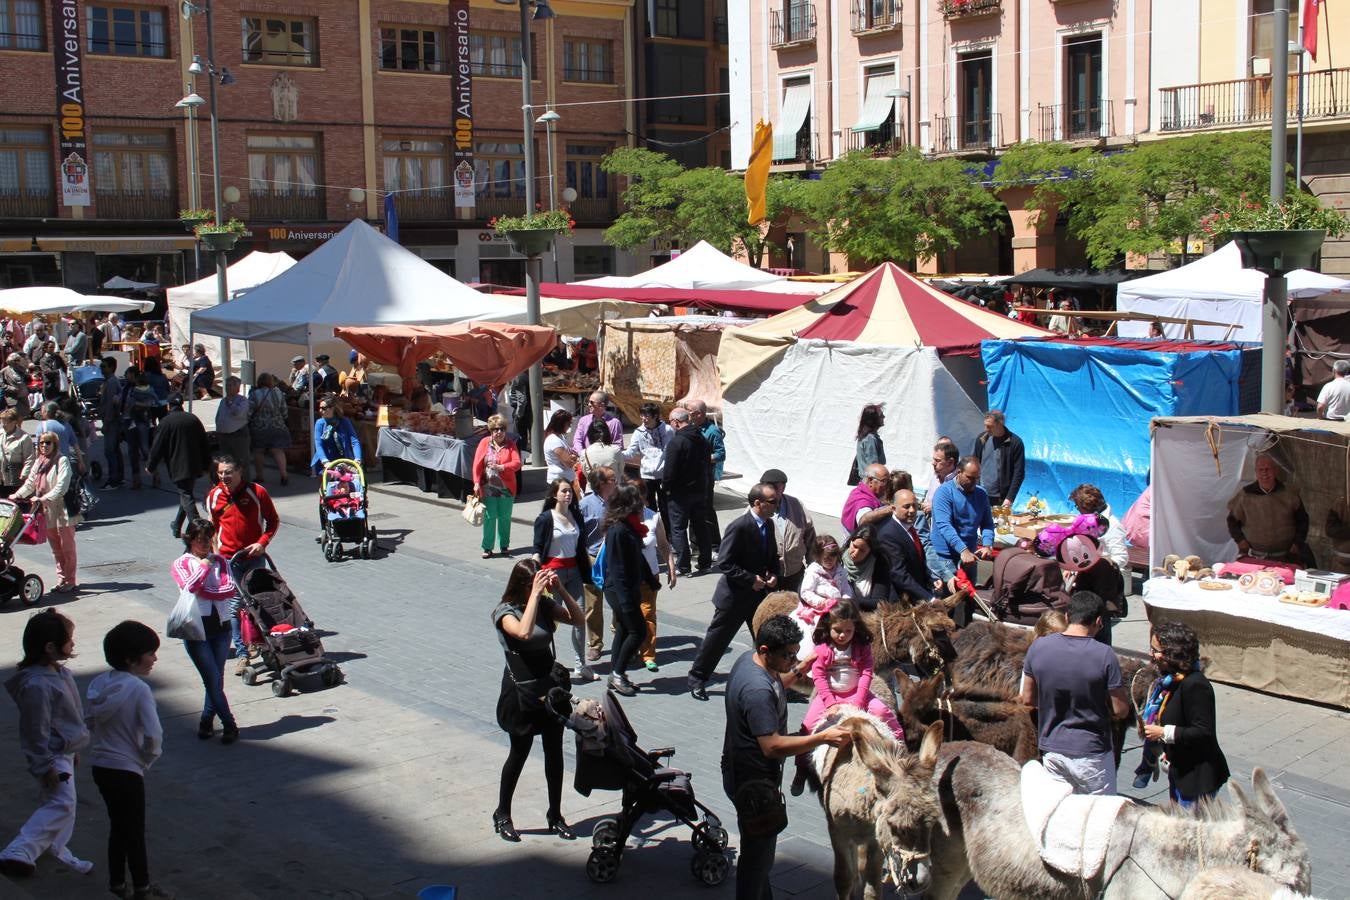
[1075, 684]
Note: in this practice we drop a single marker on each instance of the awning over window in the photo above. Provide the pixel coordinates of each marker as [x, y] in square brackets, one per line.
[878, 104]
[796, 107]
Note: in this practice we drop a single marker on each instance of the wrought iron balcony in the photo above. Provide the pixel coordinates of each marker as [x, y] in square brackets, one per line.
[26, 205]
[793, 24]
[879, 143]
[296, 206]
[491, 207]
[1247, 101]
[958, 134]
[135, 204]
[875, 15]
[593, 210]
[423, 206]
[805, 149]
[970, 9]
[1093, 122]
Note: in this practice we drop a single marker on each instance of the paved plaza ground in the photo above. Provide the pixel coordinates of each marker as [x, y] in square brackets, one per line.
[386, 784]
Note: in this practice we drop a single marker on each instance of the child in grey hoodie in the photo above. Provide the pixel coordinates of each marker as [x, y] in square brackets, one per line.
[127, 739]
[51, 732]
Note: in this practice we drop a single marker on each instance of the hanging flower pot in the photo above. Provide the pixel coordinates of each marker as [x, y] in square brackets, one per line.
[532, 234]
[1279, 252]
[531, 241]
[218, 240]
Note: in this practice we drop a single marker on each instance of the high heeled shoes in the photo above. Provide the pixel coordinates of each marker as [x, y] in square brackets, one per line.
[557, 825]
[502, 825]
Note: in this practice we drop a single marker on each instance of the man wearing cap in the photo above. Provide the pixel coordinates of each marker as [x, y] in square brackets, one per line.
[180, 443]
[795, 530]
[325, 375]
[301, 376]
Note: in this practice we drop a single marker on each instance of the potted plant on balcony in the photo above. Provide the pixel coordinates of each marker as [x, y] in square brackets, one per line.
[531, 235]
[1276, 238]
[193, 218]
[220, 237]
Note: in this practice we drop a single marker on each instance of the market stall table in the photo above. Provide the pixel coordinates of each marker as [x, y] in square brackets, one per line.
[436, 463]
[1260, 642]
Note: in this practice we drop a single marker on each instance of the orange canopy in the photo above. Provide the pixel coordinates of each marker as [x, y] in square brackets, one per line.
[488, 352]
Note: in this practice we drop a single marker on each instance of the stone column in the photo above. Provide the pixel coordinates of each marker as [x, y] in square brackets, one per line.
[1033, 238]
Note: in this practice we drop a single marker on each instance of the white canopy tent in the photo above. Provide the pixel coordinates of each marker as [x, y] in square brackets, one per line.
[705, 267]
[1214, 288]
[56, 300]
[118, 283]
[245, 275]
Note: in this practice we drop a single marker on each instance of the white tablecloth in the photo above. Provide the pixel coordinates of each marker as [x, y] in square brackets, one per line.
[1168, 593]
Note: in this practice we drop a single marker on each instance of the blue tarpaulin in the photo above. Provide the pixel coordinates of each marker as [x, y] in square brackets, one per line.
[1083, 410]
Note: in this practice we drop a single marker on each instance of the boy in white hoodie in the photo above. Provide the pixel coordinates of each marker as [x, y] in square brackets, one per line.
[127, 739]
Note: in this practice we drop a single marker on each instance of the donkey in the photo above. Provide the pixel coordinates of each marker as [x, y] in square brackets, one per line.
[1003, 724]
[1152, 853]
[1233, 883]
[878, 804]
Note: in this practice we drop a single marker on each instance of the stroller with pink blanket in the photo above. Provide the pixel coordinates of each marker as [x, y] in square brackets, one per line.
[19, 524]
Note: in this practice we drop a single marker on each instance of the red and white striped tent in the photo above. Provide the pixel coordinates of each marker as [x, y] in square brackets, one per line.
[795, 384]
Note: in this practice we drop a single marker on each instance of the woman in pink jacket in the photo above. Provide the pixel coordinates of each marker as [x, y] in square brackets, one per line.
[206, 574]
[842, 668]
[495, 464]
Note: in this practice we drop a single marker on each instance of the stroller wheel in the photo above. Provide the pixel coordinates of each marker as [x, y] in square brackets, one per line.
[602, 866]
[605, 833]
[710, 868]
[32, 590]
[712, 839]
[250, 676]
[281, 688]
[95, 471]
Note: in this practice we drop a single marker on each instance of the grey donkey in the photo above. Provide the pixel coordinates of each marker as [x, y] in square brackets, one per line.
[1153, 853]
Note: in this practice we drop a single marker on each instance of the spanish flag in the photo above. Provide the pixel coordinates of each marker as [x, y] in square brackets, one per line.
[757, 173]
[1308, 26]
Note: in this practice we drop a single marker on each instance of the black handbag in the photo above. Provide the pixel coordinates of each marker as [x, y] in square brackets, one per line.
[761, 808]
[532, 690]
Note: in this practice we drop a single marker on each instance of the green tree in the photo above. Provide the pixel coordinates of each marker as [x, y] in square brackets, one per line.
[668, 202]
[1147, 197]
[900, 208]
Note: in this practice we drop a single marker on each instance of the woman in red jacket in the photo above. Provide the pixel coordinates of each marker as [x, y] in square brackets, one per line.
[495, 465]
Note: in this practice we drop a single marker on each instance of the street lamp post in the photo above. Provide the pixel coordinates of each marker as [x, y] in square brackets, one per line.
[1275, 310]
[191, 100]
[548, 119]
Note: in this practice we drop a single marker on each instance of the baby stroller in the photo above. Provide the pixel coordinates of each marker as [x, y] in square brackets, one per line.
[88, 383]
[342, 510]
[609, 759]
[16, 525]
[292, 652]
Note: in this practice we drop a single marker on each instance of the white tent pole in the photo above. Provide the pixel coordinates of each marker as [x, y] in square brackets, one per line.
[313, 399]
[191, 394]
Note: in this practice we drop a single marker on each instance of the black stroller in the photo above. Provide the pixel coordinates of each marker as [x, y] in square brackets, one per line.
[291, 652]
[609, 759]
[87, 382]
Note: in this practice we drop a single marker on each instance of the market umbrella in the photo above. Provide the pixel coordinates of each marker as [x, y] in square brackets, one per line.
[53, 299]
[487, 352]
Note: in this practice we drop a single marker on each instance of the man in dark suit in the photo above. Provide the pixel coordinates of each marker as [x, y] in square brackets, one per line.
[180, 443]
[685, 480]
[904, 548]
[748, 559]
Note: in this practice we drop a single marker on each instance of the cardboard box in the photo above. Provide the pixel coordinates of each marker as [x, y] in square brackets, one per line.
[389, 416]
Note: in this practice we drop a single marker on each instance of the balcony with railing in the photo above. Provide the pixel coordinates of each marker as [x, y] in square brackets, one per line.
[958, 134]
[969, 9]
[297, 206]
[593, 210]
[880, 143]
[135, 204]
[1248, 101]
[1075, 122]
[424, 206]
[794, 24]
[805, 149]
[872, 16]
[491, 207]
[26, 205]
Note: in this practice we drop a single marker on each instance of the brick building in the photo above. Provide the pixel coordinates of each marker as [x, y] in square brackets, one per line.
[333, 105]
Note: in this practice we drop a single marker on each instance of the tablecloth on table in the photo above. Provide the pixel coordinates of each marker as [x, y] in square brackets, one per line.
[1168, 593]
[432, 451]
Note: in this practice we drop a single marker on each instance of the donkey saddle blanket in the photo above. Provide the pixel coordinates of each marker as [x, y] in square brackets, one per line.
[1071, 831]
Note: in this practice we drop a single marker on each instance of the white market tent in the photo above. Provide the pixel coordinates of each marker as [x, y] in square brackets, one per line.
[1214, 288]
[704, 267]
[55, 300]
[240, 278]
[118, 283]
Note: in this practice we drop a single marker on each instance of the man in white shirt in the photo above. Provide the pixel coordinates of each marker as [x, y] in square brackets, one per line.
[1334, 400]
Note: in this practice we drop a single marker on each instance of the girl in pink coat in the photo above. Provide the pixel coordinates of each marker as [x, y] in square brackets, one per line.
[842, 669]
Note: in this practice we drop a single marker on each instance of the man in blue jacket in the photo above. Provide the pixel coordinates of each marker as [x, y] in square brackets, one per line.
[963, 522]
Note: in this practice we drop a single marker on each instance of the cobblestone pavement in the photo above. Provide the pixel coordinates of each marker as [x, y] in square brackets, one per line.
[385, 785]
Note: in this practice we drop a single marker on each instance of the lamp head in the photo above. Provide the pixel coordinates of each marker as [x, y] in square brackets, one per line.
[196, 68]
[191, 101]
[543, 11]
[569, 195]
[548, 118]
[226, 78]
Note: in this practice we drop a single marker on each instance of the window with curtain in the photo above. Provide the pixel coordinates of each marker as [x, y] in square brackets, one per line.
[136, 163]
[410, 48]
[281, 40]
[126, 30]
[25, 162]
[21, 25]
[417, 166]
[587, 61]
[584, 174]
[496, 54]
[499, 169]
[283, 164]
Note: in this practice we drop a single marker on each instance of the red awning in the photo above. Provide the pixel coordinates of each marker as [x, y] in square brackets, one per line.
[736, 301]
[488, 352]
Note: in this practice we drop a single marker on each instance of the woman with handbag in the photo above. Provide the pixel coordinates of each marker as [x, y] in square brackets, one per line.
[16, 452]
[205, 575]
[48, 481]
[525, 620]
[496, 461]
[267, 428]
[558, 546]
[626, 574]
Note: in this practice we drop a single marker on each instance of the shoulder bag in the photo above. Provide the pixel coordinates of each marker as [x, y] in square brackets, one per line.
[761, 808]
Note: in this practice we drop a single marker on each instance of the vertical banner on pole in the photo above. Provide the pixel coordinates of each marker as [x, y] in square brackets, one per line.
[73, 156]
[462, 159]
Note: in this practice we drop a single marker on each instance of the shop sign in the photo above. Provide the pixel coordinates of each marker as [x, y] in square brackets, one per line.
[462, 126]
[73, 158]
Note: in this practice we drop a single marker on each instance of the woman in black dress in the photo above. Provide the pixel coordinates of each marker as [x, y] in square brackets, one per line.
[525, 620]
[1180, 714]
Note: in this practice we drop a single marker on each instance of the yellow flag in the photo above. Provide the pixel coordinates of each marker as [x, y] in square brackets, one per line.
[757, 173]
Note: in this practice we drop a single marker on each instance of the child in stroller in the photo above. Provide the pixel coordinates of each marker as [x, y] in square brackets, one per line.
[609, 759]
[342, 510]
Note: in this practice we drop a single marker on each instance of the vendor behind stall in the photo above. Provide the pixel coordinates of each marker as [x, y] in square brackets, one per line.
[1268, 520]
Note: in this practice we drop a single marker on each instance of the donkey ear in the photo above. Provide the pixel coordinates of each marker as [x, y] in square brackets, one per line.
[1268, 799]
[877, 762]
[932, 740]
[1248, 808]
